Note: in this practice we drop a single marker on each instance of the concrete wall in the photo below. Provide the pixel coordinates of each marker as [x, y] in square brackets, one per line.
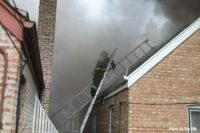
[158, 102]
[46, 29]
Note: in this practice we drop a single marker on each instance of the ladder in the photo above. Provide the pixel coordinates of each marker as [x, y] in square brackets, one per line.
[97, 92]
[123, 67]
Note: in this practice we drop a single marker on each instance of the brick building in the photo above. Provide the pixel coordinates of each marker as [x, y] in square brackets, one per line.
[21, 76]
[46, 32]
[161, 95]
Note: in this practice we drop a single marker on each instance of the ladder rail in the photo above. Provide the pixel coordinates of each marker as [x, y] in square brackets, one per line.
[76, 111]
[118, 63]
[95, 97]
[81, 92]
[83, 98]
[132, 52]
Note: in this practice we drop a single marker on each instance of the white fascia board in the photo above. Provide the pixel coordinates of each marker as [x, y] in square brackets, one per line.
[119, 89]
[114, 92]
[162, 53]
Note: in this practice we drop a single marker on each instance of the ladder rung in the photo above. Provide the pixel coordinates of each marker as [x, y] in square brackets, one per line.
[129, 61]
[136, 56]
[142, 50]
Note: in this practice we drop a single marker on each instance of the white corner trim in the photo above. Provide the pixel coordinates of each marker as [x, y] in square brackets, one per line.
[162, 53]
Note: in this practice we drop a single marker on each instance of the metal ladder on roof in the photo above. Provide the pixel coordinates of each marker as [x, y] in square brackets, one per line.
[126, 65]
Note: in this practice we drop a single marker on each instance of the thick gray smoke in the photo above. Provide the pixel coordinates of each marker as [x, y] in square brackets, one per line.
[179, 11]
[85, 27]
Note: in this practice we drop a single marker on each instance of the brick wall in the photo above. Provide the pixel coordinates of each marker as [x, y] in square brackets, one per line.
[158, 101]
[101, 110]
[46, 29]
[3, 70]
[9, 97]
[27, 100]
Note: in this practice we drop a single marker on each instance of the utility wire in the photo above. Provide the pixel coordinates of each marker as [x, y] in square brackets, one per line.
[16, 9]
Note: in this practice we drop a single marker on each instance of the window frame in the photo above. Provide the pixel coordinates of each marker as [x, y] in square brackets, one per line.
[94, 124]
[111, 111]
[190, 110]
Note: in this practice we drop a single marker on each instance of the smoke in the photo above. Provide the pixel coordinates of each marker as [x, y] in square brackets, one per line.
[84, 28]
[179, 11]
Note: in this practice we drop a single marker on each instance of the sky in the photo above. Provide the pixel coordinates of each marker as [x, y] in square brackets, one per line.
[31, 6]
[84, 28]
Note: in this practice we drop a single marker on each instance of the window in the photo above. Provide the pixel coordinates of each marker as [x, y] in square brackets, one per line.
[93, 124]
[111, 119]
[194, 120]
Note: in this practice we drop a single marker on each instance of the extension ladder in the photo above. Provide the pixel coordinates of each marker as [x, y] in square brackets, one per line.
[126, 65]
[97, 92]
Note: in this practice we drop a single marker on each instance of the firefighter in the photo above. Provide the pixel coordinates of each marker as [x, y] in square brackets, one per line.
[100, 70]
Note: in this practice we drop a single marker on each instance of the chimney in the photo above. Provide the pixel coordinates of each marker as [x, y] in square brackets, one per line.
[46, 32]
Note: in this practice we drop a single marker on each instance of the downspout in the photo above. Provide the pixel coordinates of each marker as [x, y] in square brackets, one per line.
[3, 83]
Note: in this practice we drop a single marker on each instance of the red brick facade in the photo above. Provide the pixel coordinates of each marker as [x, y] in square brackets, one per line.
[158, 102]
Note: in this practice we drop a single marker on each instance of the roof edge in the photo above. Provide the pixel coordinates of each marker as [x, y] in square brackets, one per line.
[162, 53]
[13, 21]
[114, 92]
